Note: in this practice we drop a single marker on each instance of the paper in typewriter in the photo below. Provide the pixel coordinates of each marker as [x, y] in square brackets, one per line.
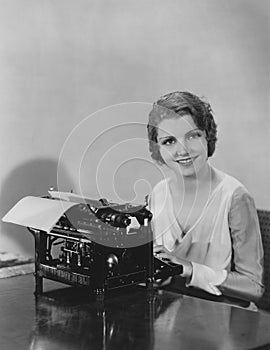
[75, 198]
[38, 213]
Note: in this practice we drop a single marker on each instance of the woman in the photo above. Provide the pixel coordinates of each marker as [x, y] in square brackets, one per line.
[203, 218]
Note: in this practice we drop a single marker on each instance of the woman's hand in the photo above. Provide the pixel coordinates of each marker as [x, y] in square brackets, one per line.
[162, 283]
[163, 254]
[208, 280]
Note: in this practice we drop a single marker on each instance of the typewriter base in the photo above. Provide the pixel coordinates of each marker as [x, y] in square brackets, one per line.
[98, 283]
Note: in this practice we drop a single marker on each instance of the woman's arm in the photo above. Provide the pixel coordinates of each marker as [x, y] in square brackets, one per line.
[196, 275]
[245, 278]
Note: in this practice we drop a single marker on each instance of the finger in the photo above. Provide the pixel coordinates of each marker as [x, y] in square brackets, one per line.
[158, 248]
[163, 256]
[215, 289]
[158, 253]
[157, 283]
[161, 247]
[166, 282]
[210, 288]
[157, 245]
[162, 283]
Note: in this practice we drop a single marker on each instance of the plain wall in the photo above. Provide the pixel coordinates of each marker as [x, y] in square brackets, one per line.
[63, 63]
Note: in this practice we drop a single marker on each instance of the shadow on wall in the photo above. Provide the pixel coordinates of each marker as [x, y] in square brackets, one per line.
[33, 178]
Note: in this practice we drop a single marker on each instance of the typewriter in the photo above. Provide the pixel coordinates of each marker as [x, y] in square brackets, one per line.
[93, 243]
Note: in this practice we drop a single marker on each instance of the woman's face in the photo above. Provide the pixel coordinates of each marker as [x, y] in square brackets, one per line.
[183, 146]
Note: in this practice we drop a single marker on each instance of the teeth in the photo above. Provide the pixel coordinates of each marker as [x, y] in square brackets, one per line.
[185, 161]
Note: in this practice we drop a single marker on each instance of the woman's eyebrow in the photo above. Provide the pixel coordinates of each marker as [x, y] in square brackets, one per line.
[168, 136]
[189, 132]
[165, 137]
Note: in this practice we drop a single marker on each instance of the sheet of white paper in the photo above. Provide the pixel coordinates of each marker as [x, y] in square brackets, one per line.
[60, 195]
[75, 198]
[39, 213]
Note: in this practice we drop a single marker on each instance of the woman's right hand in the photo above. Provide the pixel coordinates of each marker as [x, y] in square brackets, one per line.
[163, 254]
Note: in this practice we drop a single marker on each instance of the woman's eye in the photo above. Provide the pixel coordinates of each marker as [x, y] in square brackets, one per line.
[168, 141]
[194, 135]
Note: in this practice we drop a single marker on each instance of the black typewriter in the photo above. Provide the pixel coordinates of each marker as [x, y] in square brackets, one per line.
[96, 244]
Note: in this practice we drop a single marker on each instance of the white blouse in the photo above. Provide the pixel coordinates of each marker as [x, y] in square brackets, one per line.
[222, 249]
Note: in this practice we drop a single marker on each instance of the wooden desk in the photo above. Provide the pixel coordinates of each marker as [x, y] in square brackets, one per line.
[127, 319]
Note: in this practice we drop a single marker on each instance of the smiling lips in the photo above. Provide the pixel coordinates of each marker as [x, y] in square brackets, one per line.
[187, 161]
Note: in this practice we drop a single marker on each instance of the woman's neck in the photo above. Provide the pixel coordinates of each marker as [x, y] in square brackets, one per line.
[200, 179]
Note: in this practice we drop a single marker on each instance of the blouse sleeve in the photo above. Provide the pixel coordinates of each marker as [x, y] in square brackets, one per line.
[245, 278]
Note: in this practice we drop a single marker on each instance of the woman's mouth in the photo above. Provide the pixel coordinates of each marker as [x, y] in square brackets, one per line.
[187, 161]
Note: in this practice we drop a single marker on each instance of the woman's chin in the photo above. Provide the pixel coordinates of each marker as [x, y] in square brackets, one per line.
[186, 172]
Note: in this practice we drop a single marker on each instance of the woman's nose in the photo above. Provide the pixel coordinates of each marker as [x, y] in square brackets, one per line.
[181, 149]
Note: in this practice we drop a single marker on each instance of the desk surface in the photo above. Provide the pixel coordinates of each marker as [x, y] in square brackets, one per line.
[128, 319]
